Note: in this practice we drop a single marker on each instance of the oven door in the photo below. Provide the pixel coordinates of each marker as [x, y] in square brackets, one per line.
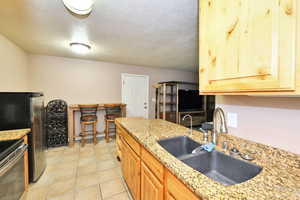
[12, 182]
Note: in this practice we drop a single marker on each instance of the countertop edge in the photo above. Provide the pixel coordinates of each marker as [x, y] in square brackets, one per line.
[13, 134]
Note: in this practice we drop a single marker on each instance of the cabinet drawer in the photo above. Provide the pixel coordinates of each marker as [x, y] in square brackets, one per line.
[177, 190]
[153, 164]
[135, 146]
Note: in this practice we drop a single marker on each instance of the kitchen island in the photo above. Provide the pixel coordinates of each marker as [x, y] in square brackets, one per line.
[278, 180]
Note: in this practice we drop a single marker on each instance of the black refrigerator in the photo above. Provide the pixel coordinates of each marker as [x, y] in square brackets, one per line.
[19, 110]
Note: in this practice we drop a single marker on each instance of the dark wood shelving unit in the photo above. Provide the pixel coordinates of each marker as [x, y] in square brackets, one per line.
[167, 103]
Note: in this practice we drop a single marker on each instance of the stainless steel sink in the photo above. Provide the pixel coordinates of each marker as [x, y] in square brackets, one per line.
[180, 146]
[218, 166]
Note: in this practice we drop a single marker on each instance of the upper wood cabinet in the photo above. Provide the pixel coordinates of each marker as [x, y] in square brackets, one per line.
[247, 46]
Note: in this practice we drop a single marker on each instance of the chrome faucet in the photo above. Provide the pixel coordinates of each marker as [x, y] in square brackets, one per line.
[191, 120]
[222, 128]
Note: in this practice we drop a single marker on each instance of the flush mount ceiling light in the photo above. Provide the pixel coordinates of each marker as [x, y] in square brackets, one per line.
[80, 47]
[80, 7]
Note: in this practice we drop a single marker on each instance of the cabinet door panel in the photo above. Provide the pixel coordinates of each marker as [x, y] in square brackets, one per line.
[118, 144]
[169, 196]
[124, 162]
[244, 45]
[177, 190]
[133, 172]
[151, 188]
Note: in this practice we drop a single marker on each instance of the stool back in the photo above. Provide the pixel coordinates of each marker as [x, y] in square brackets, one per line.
[113, 112]
[88, 112]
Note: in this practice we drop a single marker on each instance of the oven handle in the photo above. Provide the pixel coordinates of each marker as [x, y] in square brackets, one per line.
[12, 159]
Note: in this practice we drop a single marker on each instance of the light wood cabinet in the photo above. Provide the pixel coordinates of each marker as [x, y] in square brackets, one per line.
[169, 196]
[124, 162]
[118, 145]
[151, 187]
[131, 169]
[248, 46]
[175, 190]
[153, 164]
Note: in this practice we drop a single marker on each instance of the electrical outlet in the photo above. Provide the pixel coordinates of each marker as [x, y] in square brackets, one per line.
[232, 120]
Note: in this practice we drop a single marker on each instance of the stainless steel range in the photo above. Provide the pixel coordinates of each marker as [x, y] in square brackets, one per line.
[12, 183]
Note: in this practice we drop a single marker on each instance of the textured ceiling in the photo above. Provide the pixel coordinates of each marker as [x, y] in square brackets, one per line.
[154, 33]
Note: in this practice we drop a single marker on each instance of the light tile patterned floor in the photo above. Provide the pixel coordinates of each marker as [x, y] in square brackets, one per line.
[81, 173]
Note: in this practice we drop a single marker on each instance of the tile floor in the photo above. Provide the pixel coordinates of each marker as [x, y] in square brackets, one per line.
[81, 173]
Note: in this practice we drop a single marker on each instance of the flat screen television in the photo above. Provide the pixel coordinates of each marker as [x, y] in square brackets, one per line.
[190, 100]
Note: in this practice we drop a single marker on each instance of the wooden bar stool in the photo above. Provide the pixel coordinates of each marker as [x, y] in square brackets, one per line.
[88, 118]
[112, 112]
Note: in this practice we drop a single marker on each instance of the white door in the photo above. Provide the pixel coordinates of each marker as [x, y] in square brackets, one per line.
[135, 94]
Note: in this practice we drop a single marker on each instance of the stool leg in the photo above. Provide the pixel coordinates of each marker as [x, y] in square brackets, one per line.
[82, 133]
[106, 131]
[95, 132]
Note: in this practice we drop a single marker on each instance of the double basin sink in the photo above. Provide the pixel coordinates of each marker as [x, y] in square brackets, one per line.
[216, 165]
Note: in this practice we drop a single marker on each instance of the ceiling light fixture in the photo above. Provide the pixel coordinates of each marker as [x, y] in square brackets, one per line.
[80, 7]
[80, 47]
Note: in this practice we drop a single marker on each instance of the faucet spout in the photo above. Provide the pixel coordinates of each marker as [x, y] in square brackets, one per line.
[191, 122]
[218, 128]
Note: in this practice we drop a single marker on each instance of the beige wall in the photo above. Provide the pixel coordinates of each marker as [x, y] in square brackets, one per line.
[267, 120]
[83, 81]
[272, 121]
[13, 67]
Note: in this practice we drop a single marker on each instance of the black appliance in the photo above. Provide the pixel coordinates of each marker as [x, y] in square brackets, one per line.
[12, 169]
[20, 110]
[57, 123]
[190, 100]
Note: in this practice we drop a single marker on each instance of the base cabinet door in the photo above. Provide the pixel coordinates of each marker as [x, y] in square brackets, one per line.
[131, 168]
[175, 190]
[151, 187]
[124, 162]
[118, 144]
[169, 196]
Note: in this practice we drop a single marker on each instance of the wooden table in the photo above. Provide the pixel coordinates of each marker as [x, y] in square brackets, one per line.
[71, 117]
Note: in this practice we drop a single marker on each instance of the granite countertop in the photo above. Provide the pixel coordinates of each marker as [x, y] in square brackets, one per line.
[13, 134]
[279, 179]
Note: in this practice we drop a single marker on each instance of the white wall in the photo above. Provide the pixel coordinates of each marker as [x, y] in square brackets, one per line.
[82, 81]
[267, 120]
[13, 67]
